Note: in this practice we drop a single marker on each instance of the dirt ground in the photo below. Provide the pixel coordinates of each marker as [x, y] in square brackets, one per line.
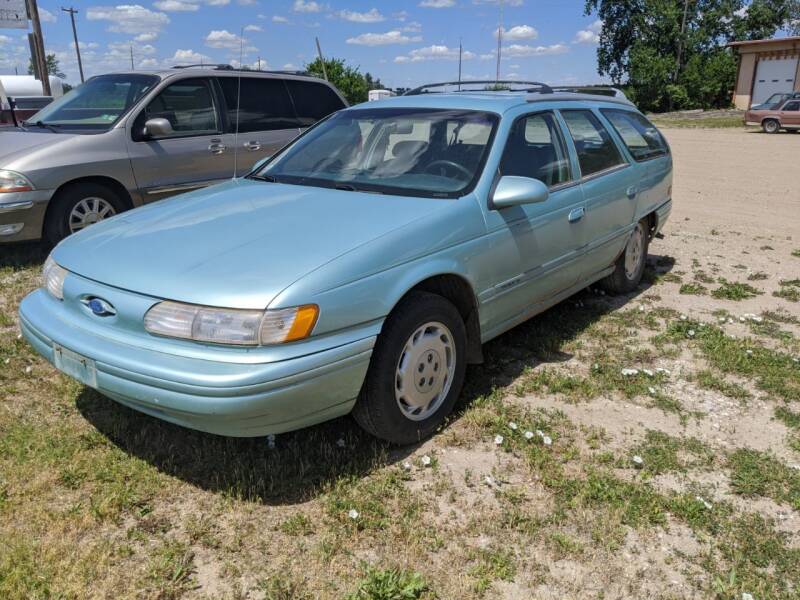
[638, 447]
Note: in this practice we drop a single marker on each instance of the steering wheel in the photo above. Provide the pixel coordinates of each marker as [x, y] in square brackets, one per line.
[451, 164]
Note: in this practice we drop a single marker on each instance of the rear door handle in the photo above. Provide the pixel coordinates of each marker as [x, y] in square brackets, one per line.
[576, 214]
[216, 147]
[631, 192]
[253, 146]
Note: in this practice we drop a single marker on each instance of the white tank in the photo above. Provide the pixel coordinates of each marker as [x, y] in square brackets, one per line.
[27, 85]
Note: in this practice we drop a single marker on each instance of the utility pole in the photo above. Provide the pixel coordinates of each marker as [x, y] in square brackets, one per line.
[321, 60]
[499, 44]
[680, 41]
[132, 67]
[72, 12]
[38, 56]
[460, 51]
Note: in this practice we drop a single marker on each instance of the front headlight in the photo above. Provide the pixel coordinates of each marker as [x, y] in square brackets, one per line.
[11, 181]
[231, 326]
[53, 278]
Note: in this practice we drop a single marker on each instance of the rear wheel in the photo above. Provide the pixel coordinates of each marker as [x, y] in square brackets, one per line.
[416, 372]
[77, 206]
[629, 267]
[771, 126]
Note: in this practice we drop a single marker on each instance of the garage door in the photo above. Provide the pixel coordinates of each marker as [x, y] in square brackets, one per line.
[774, 76]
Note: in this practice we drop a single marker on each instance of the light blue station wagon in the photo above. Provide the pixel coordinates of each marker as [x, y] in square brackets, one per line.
[362, 267]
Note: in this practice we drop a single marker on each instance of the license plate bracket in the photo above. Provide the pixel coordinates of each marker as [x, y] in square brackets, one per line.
[75, 365]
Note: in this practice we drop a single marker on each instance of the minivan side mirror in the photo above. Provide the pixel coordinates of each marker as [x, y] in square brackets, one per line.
[513, 191]
[260, 163]
[154, 128]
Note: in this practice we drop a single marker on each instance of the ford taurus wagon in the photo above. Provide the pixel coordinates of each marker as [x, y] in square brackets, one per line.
[123, 140]
[361, 268]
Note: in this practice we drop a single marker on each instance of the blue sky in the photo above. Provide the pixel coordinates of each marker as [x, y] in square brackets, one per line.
[403, 43]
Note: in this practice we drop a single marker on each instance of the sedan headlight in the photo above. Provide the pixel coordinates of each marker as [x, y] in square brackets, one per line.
[231, 326]
[11, 181]
[53, 278]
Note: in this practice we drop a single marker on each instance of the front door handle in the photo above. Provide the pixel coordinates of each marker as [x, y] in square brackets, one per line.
[631, 192]
[216, 147]
[576, 214]
[253, 146]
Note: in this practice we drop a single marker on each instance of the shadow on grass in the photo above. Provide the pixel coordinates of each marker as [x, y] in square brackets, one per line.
[22, 255]
[305, 462]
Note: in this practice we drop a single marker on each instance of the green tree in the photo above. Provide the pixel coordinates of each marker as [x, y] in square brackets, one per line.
[349, 80]
[665, 65]
[53, 67]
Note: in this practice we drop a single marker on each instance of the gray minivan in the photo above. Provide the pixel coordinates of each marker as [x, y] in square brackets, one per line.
[125, 139]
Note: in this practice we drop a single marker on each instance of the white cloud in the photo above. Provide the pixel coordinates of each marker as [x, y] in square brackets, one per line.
[187, 57]
[522, 50]
[435, 52]
[518, 32]
[412, 27]
[279, 19]
[304, 6]
[437, 3]
[400, 15]
[291, 67]
[218, 2]
[590, 35]
[505, 2]
[176, 6]
[129, 18]
[371, 16]
[383, 39]
[145, 37]
[45, 16]
[253, 28]
[148, 63]
[222, 38]
[4, 39]
[85, 45]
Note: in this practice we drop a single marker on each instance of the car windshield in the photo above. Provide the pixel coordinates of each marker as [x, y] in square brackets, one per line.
[404, 151]
[774, 100]
[97, 104]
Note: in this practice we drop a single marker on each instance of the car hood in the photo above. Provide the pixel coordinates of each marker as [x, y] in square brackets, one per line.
[238, 244]
[14, 142]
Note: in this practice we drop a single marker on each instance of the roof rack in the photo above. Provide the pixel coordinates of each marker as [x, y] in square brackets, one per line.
[599, 90]
[218, 67]
[490, 85]
[224, 67]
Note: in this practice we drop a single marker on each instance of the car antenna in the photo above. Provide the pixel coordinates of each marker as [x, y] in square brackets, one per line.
[238, 103]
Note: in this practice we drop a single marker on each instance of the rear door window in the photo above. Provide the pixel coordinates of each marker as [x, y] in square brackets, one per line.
[792, 106]
[595, 148]
[640, 136]
[265, 104]
[189, 107]
[312, 101]
[535, 149]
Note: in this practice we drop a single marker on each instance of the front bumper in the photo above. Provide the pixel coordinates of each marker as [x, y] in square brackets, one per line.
[22, 215]
[241, 399]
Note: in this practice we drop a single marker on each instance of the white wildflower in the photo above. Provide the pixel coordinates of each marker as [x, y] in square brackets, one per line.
[540, 433]
[662, 370]
[546, 440]
[28, 369]
[528, 435]
[489, 480]
[425, 460]
[704, 502]
[512, 425]
[749, 352]
[742, 319]
[638, 459]
[407, 466]
[652, 390]
[629, 372]
[722, 319]
[498, 439]
[730, 321]
[746, 596]
[353, 514]
[648, 372]
[641, 308]
[341, 443]
[683, 317]
[690, 333]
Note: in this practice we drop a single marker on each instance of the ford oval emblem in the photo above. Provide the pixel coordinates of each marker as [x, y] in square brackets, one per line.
[100, 307]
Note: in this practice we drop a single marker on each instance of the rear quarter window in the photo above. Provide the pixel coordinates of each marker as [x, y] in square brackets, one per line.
[641, 137]
[312, 101]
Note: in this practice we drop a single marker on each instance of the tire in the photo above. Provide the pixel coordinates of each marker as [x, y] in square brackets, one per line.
[410, 351]
[771, 126]
[630, 265]
[63, 216]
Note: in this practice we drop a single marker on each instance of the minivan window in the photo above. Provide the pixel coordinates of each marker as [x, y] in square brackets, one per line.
[536, 149]
[640, 135]
[96, 104]
[312, 101]
[593, 144]
[792, 106]
[188, 105]
[401, 151]
[265, 103]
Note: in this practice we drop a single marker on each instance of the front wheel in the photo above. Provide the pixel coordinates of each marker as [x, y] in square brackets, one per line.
[416, 372]
[771, 126]
[79, 206]
[629, 267]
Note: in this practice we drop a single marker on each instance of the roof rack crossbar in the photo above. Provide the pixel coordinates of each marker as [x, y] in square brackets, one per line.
[601, 90]
[535, 86]
[224, 67]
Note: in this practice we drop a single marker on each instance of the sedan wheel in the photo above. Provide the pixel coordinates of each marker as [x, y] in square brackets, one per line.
[771, 126]
[88, 212]
[633, 252]
[630, 265]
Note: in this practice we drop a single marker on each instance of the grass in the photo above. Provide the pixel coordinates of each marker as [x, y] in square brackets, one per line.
[700, 122]
[735, 291]
[756, 473]
[693, 289]
[789, 290]
[709, 380]
[390, 584]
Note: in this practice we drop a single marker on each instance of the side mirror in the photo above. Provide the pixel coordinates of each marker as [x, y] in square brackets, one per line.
[157, 128]
[260, 163]
[513, 191]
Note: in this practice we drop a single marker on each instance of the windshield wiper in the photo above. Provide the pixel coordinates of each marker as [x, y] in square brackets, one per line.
[41, 125]
[267, 178]
[347, 187]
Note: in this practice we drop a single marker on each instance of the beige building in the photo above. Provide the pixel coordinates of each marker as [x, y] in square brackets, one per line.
[766, 67]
